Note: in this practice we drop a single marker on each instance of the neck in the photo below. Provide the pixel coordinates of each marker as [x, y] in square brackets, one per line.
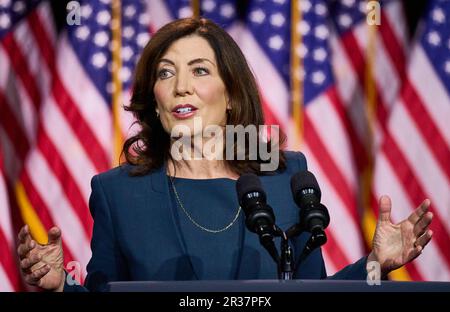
[194, 167]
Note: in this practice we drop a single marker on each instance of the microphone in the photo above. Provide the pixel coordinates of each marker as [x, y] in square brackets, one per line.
[314, 217]
[259, 217]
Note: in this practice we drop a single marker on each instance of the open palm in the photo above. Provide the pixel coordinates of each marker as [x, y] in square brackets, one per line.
[397, 244]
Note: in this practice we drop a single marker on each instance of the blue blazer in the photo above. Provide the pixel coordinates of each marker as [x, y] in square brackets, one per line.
[136, 235]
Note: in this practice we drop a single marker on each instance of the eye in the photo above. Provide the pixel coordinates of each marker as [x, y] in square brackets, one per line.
[164, 73]
[201, 71]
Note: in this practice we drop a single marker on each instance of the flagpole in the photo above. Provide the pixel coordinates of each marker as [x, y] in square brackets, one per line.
[195, 5]
[296, 120]
[117, 83]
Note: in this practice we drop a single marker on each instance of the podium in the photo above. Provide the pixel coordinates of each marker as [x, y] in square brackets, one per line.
[277, 286]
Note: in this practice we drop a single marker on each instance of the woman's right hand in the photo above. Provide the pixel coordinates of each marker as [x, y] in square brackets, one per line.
[42, 265]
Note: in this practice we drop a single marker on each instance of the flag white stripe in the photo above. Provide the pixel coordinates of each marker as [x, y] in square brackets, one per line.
[330, 129]
[432, 91]
[68, 146]
[384, 74]
[5, 284]
[61, 211]
[339, 217]
[385, 182]
[397, 19]
[5, 216]
[46, 19]
[422, 163]
[277, 95]
[347, 86]
[90, 103]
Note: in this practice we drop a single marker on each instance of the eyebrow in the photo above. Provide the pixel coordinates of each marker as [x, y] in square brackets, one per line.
[194, 61]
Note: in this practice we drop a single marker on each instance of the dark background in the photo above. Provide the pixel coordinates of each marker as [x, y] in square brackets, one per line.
[413, 11]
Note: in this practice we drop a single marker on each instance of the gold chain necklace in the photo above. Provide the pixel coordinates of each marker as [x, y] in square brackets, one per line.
[192, 219]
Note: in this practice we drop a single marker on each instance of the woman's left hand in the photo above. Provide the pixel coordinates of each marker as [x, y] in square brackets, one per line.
[397, 244]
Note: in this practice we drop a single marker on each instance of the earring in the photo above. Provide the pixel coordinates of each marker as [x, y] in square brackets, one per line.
[157, 114]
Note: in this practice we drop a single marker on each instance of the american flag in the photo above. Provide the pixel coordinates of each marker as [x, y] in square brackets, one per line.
[414, 159]
[60, 121]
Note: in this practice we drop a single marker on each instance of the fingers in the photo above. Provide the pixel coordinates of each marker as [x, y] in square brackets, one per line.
[423, 240]
[54, 235]
[25, 248]
[30, 261]
[420, 211]
[422, 225]
[24, 234]
[385, 208]
[35, 277]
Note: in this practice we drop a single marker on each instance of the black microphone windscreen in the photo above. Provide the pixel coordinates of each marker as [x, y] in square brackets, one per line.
[304, 179]
[248, 182]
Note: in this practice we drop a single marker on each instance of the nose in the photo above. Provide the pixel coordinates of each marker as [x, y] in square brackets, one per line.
[183, 85]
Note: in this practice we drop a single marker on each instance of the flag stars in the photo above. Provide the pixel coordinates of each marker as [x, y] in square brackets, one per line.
[99, 59]
[129, 11]
[125, 74]
[19, 7]
[5, 21]
[438, 15]
[185, 12]
[82, 32]
[320, 54]
[128, 32]
[321, 32]
[304, 5]
[280, 2]
[318, 77]
[142, 39]
[349, 3]
[362, 6]
[257, 16]
[86, 11]
[144, 19]
[345, 20]
[5, 3]
[301, 50]
[127, 53]
[277, 19]
[103, 17]
[320, 9]
[434, 38]
[447, 67]
[208, 5]
[275, 42]
[303, 27]
[227, 10]
[101, 38]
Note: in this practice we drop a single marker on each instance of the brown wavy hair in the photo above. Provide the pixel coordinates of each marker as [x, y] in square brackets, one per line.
[150, 147]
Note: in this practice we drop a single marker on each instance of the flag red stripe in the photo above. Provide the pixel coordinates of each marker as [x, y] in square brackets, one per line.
[12, 128]
[53, 159]
[43, 212]
[330, 168]
[358, 63]
[393, 47]
[67, 105]
[68, 184]
[415, 192]
[417, 108]
[21, 69]
[334, 250]
[8, 262]
[359, 152]
[426, 126]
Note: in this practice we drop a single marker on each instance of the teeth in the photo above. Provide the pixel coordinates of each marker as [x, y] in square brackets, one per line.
[184, 110]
